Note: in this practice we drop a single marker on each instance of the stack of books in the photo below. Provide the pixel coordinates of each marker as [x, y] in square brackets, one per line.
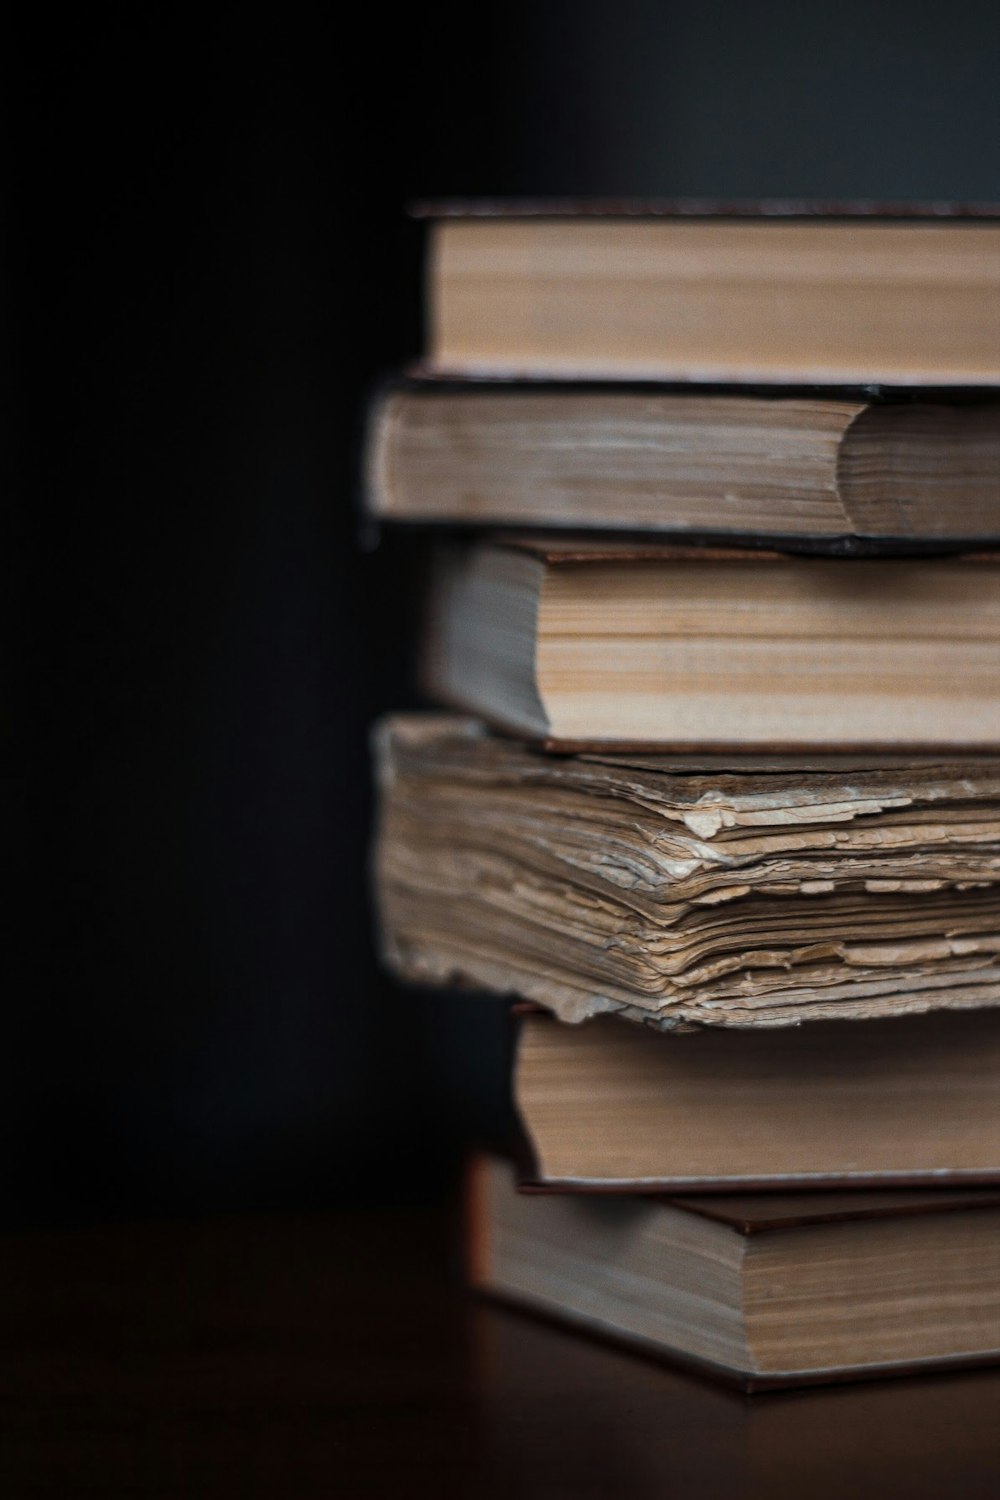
[715, 610]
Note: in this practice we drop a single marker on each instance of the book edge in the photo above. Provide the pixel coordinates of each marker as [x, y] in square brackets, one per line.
[672, 1191]
[748, 1381]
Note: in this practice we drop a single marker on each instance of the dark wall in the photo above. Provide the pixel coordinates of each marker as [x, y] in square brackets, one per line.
[207, 263]
[863, 98]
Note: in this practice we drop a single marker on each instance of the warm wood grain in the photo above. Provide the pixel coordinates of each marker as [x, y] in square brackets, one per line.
[337, 1355]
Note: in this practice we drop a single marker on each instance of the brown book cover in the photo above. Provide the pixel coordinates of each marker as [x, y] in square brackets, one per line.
[701, 208]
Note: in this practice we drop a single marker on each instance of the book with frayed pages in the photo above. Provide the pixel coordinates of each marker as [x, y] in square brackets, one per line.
[730, 891]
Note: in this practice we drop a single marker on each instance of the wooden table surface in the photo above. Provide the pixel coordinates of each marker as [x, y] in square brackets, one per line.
[337, 1355]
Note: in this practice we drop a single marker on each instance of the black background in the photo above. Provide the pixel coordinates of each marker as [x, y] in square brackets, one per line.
[206, 265]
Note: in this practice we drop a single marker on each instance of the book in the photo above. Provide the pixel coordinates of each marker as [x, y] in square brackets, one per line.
[768, 293]
[688, 890]
[913, 1100]
[618, 459]
[570, 1415]
[586, 645]
[762, 1289]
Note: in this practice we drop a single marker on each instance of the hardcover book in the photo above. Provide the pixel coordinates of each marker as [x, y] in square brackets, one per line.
[795, 468]
[761, 293]
[761, 1289]
[901, 1101]
[589, 645]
